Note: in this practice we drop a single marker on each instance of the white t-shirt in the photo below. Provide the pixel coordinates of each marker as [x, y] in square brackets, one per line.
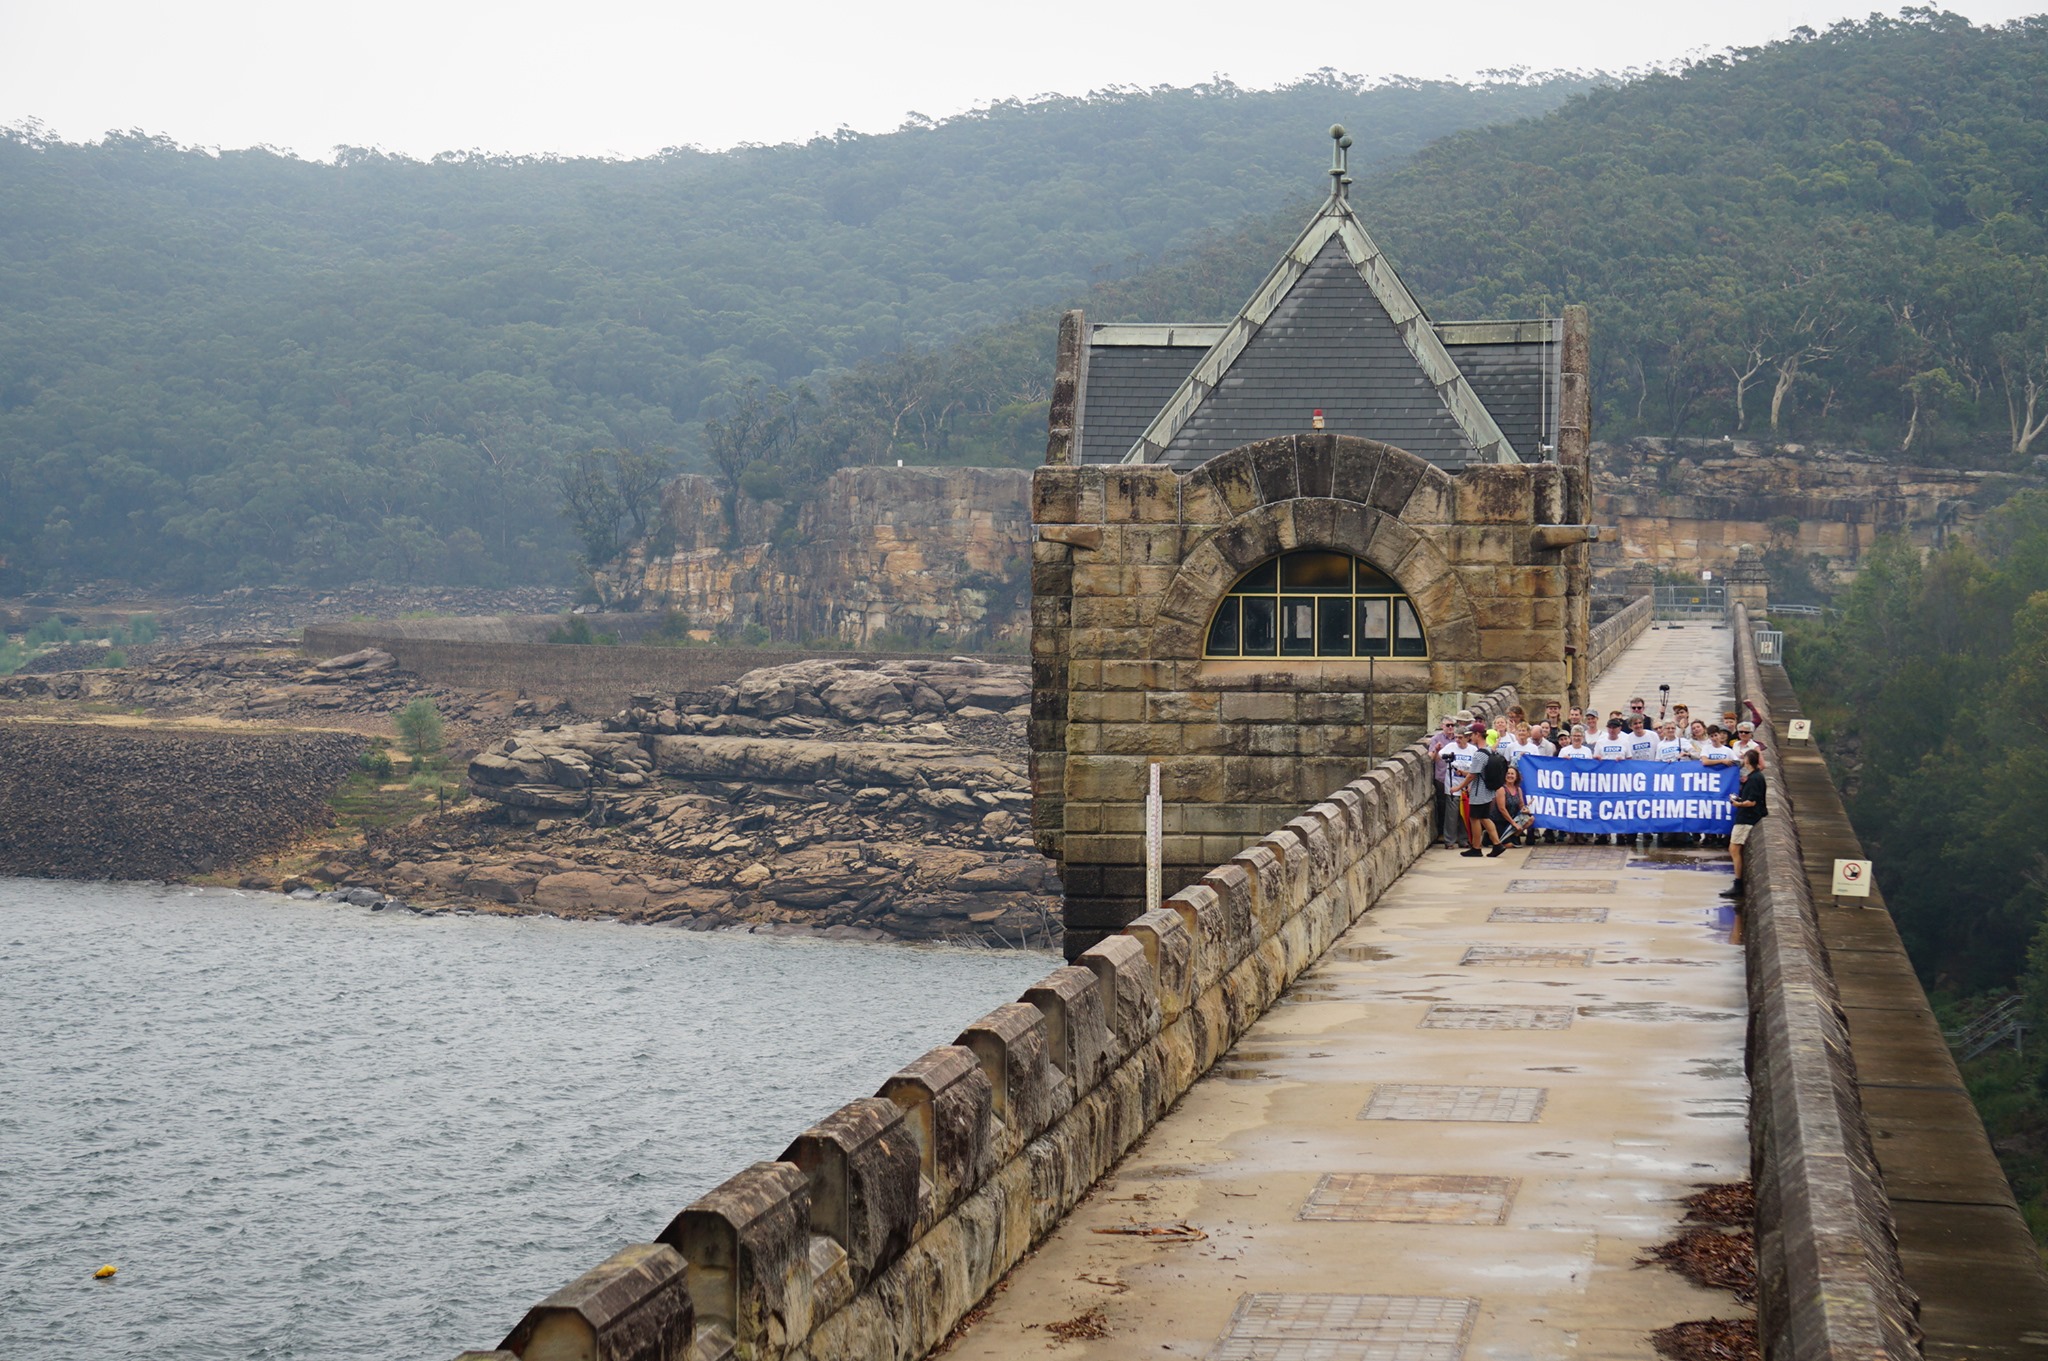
[1581, 753]
[1642, 746]
[1464, 761]
[1677, 749]
[1607, 748]
[1719, 756]
[1742, 749]
[1545, 747]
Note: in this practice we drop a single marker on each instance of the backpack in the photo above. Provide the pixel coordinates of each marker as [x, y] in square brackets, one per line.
[1495, 772]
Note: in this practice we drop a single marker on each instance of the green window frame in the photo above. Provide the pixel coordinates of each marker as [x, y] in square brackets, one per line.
[1315, 603]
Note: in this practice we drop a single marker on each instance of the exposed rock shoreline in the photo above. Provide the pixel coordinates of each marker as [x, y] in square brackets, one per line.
[853, 798]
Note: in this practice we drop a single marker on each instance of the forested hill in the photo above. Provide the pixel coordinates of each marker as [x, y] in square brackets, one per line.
[1838, 237]
[242, 366]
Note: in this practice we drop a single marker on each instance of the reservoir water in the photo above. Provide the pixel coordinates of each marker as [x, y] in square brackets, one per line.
[310, 1131]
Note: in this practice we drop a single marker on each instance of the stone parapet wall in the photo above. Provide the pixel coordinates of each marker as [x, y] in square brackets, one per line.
[1611, 636]
[1829, 1278]
[879, 1228]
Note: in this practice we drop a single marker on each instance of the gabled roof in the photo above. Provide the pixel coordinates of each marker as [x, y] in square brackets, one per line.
[1332, 328]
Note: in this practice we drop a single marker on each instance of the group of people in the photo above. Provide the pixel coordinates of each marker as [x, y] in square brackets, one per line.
[1482, 807]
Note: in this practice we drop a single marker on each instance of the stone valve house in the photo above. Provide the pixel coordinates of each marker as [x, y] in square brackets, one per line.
[1270, 551]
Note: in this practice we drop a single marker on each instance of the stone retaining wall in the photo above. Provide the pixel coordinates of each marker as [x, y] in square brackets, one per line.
[1611, 637]
[880, 1227]
[597, 681]
[1829, 1279]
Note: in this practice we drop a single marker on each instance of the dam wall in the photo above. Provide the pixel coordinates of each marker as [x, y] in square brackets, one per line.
[596, 680]
[877, 1230]
[1885, 1224]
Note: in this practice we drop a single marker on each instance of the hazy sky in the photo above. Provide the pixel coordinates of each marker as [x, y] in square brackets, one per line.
[627, 77]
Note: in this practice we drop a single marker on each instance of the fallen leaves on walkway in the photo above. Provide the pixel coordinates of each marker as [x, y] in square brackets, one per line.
[1158, 1233]
[1710, 1257]
[1713, 1339]
[1087, 1327]
[1732, 1203]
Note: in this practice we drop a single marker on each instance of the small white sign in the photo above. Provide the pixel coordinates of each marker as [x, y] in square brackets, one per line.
[1799, 729]
[1852, 878]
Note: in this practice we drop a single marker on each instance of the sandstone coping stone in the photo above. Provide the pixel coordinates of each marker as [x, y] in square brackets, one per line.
[861, 1163]
[948, 1104]
[1077, 1032]
[747, 1241]
[1170, 951]
[1236, 887]
[633, 1306]
[1011, 1045]
[1317, 852]
[1130, 992]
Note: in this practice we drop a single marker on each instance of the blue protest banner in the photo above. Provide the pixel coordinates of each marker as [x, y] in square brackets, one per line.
[1629, 796]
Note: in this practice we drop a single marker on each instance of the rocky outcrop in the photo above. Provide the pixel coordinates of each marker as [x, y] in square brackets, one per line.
[1692, 505]
[96, 801]
[916, 552]
[857, 797]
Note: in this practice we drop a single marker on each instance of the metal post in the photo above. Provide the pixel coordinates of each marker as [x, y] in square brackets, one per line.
[1153, 876]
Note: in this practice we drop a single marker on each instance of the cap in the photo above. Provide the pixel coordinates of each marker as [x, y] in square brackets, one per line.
[1614, 720]
[1479, 728]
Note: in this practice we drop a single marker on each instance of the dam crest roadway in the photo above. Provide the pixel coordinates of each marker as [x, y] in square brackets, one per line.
[1454, 1136]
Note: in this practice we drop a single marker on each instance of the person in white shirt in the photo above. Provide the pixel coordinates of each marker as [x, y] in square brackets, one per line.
[1745, 740]
[1611, 745]
[1454, 808]
[1672, 747]
[1468, 757]
[1575, 748]
[1642, 741]
[1542, 744]
[1718, 752]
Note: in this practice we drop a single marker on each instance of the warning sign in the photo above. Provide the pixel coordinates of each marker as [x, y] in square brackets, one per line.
[1799, 729]
[1852, 878]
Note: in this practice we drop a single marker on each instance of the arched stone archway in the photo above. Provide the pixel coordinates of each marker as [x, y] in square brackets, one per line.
[1130, 564]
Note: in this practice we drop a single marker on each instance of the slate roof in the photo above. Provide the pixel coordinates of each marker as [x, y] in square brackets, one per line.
[1334, 329]
[1128, 383]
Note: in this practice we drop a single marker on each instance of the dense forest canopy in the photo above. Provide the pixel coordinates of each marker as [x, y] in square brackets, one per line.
[240, 366]
[244, 367]
[1837, 237]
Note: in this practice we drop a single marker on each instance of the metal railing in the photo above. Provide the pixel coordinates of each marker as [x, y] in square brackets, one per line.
[2004, 1023]
[1706, 600]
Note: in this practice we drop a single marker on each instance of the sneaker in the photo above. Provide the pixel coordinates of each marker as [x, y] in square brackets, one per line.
[1474, 851]
[1734, 890]
[1497, 851]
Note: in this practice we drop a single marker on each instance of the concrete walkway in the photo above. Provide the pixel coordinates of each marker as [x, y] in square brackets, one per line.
[1452, 1138]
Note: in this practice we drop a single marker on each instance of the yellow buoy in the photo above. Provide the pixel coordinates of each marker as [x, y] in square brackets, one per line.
[105, 1271]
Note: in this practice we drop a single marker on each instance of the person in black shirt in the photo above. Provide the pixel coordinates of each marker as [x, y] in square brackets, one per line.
[1751, 806]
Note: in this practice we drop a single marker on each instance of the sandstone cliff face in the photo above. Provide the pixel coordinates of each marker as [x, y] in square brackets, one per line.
[1684, 505]
[940, 553]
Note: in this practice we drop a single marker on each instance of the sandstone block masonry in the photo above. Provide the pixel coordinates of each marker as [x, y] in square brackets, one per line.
[1129, 566]
[880, 1227]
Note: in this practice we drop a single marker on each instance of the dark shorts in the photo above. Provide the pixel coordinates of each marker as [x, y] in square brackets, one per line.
[1489, 812]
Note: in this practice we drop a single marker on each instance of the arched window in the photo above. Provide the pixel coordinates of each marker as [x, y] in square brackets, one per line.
[1316, 603]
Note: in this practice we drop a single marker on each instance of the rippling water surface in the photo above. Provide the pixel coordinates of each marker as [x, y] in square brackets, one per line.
[310, 1131]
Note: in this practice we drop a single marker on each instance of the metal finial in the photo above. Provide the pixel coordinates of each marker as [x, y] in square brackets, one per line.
[1340, 146]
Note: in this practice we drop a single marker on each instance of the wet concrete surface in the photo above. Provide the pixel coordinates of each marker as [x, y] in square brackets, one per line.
[1456, 1136]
